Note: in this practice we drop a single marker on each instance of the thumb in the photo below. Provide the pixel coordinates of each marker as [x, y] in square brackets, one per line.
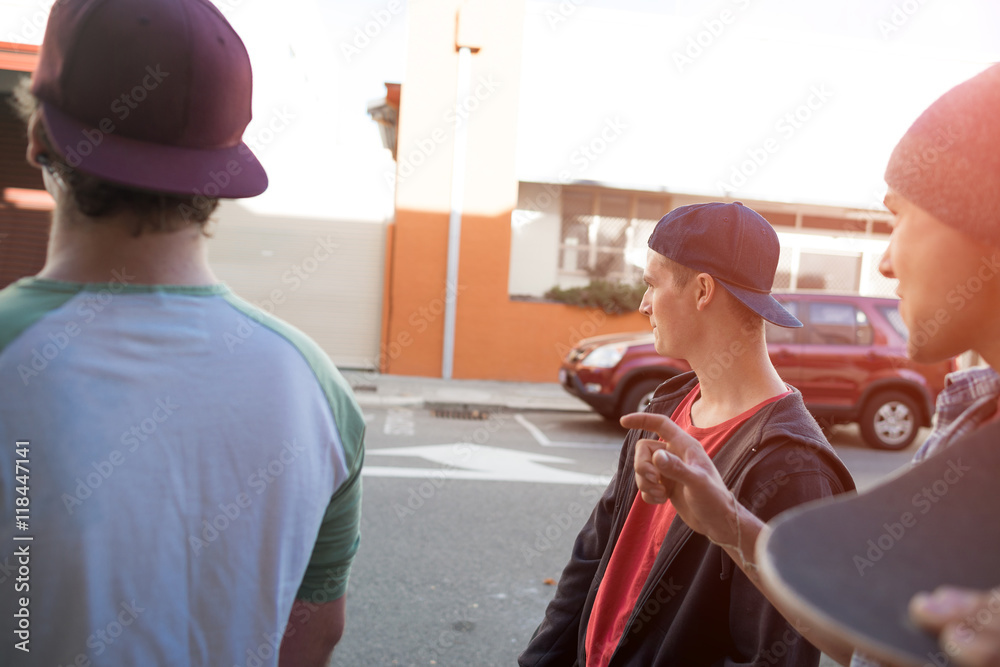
[671, 467]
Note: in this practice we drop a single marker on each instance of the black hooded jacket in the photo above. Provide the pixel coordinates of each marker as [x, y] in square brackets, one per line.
[697, 608]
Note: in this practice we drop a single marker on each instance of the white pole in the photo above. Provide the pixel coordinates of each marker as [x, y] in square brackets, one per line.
[455, 217]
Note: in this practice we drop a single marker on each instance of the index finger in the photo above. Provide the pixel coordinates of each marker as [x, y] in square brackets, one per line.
[663, 426]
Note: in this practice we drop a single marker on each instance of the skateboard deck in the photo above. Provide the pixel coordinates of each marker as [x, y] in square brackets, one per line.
[850, 565]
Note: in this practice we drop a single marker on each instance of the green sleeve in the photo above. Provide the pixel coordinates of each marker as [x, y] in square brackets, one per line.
[340, 533]
[21, 305]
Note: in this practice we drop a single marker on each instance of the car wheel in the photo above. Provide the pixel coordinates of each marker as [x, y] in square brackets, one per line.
[637, 397]
[890, 421]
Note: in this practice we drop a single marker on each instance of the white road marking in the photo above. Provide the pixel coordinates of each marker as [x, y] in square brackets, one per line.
[535, 432]
[399, 421]
[544, 441]
[463, 460]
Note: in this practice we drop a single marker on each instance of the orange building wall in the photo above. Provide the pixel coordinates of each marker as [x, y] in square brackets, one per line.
[495, 338]
[500, 339]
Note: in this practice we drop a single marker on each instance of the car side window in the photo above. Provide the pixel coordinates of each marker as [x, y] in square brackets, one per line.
[891, 313]
[837, 324]
[774, 334]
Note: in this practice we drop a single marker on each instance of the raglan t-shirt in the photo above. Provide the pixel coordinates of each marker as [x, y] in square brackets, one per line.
[642, 536]
[191, 466]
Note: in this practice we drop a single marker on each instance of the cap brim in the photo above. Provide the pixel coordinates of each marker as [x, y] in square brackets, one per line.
[230, 173]
[764, 305]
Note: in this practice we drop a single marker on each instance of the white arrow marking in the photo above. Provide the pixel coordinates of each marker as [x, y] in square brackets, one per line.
[464, 460]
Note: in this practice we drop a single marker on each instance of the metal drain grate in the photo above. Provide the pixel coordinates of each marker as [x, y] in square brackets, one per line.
[448, 411]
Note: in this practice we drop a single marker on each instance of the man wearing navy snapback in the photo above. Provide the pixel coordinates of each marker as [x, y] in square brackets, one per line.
[180, 499]
[642, 586]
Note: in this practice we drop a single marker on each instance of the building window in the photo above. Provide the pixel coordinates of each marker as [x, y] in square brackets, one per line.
[604, 234]
[829, 272]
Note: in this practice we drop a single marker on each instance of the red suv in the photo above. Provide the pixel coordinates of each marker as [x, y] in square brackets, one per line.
[848, 360]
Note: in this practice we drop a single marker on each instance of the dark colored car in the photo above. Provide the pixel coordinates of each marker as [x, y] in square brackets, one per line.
[848, 360]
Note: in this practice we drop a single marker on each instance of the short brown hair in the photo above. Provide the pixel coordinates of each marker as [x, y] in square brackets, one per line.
[97, 198]
[682, 275]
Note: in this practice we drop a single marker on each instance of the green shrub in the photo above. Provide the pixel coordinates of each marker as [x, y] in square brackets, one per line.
[612, 298]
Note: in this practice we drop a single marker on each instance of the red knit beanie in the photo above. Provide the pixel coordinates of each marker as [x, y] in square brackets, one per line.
[948, 162]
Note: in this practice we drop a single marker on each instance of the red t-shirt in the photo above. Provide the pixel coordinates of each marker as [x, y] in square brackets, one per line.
[645, 528]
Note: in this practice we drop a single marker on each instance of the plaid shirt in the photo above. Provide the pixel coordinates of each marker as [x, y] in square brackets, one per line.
[968, 400]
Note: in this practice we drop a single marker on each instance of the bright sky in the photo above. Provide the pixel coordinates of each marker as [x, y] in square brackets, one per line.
[771, 99]
[853, 74]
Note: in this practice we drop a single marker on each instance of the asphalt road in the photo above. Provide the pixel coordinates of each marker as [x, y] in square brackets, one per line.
[467, 523]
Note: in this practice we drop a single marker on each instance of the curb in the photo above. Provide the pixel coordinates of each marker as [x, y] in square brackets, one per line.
[369, 400]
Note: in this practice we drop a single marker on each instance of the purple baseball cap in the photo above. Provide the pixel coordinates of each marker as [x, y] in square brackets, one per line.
[150, 94]
[733, 244]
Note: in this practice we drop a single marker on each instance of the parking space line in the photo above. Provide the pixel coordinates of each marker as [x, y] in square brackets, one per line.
[535, 432]
[544, 440]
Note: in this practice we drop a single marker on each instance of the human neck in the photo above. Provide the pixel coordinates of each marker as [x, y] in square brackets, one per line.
[82, 250]
[733, 380]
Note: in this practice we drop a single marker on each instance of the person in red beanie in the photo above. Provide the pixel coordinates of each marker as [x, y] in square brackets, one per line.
[944, 194]
[185, 485]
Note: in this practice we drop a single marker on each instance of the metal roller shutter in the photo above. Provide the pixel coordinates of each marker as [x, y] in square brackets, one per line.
[323, 276]
[25, 207]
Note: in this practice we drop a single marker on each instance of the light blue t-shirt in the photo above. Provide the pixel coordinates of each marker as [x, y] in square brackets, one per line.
[190, 464]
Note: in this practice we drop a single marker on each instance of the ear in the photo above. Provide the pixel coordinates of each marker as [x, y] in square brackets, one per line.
[706, 290]
[36, 142]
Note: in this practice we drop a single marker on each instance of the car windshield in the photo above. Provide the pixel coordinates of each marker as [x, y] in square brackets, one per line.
[891, 313]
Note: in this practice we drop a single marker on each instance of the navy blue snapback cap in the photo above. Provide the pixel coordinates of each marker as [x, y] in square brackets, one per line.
[732, 243]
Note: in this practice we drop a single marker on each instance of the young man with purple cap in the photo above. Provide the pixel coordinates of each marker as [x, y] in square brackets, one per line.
[180, 499]
[944, 194]
[644, 586]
